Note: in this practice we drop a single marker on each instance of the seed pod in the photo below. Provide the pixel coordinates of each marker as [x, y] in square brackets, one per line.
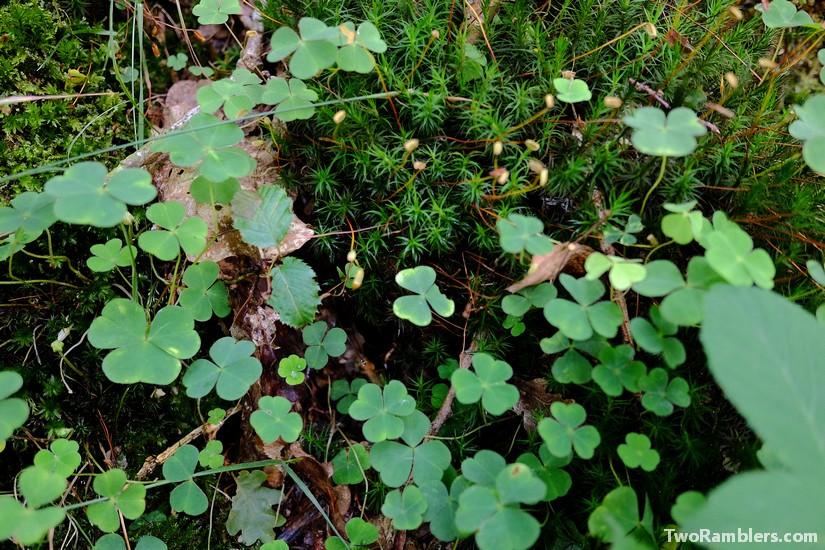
[498, 147]
[351, 256]
[358, 279]
[549, 101]
[339, 117]
[543, 177]
[503, 177]
[613, 102]
[418, 165]
[736, 13]
[732, 79]
[535, 166]
[411, 145]
[650, 29]
[532, 145]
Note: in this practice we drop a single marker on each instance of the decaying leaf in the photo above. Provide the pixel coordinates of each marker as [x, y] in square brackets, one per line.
[546, 267]
[534, 400]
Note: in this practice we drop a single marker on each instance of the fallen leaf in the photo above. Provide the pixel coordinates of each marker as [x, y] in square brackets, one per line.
[546, 267]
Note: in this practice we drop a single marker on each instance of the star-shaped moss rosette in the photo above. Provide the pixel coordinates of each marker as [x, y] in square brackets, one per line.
[416, 309]
[661, 135]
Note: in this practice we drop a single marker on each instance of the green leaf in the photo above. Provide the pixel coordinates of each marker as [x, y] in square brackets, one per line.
[292, 369]
[293, 99]
[571, 90]
[441, 507]
[617, 370]
[13, 411]
[783, 14]
[671, 135]
[110, 255]
[181, 465]
[572, 367]
[207, 191]
[753, 342]
[61, 458]
[405, 508]
[345, 394]
[616, 516]
[637, 452]
[416, 309]
[25, 525]
[83, 196]
[350, 464]
[810, 128]
[263, 217]
[519, 233]
[144, 351]
[273, 420]
[188, 498]
[321, 346]
[487, 383]
[655, 338]
[209, 141]
[660, 396]
[557, 482]
[231, 372]
[483, 467]
[128, 498]
[29, 211]
[565, 431]
[294, 292]
[216, 12]
[313, 51]
[204, 294]
[382, 410]
[395, 461]
[361, 532]
[189, 233]
[252, 515]
[730, 253]
[623, 273]
[40, 486]
[177, 62]
[237, 95]
[663, 277]
[210, 457]
[684, 307]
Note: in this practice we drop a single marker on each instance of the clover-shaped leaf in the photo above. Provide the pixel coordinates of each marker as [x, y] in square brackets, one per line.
[487, 383]
[210, 192]
[556, 480]
[204, 294]
[656, 338]
[216, 12]
[40, 486]
[573, 366]
[783, 14]
[382, 410]
[165, 244]
[626, 235]
[129, 499]
[294, 292]
[441, 506]
[322, 344]
[205, 72]
[617, 370]
[578, 321]
[210, 457]
[416, 309]
[405, 508]
[623, 273]
[518, 233]
[32, 212]
[350, 464]
[571, 90]
[61, 457]
[13, 411]
[637, 452]
[493, 514]
[231, 374]
[355, 54]
[237, 95]
[532, 296]
[663, 277]
[730, 253]
[360, 533]
[660, 396]
[565, 431]
[187, 497]
[177, 62]
[209, 141]
[292, 369]
[274, 420]
[84, 196]
[292, 97]
[684, 224]
[26, 525]
[671, 135]
[483, 467]
[473, 63]
[810, 128]
[144, 351]
[110, 255]
[313, 51]
[216, 415]
[427, 461]
[345, 393]
[616, 516]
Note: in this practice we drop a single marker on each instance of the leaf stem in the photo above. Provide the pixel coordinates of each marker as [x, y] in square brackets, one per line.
[655, 185]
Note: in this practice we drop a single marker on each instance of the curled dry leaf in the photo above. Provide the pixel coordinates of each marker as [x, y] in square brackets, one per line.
[567, 257]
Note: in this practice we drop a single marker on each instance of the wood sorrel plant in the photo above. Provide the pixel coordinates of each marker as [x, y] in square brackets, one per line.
[606, 366]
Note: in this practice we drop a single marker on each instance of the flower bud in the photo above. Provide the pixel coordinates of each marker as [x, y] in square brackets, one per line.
[549, 101]
[411, 145]
[351, 256]
[535, 166]
[613, 102]
[498, 147]
[128, 219]
[418, 165]
[339, 117]
[532, 145]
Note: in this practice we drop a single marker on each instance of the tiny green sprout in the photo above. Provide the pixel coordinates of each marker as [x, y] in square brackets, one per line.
[205, 72]
[210, 457]
[355, 54]
[322, 344]
[405, 508]
[110, 255]
[345, 393]
[292, 369]
[671, 135]
[660, 395]
[216, 12]
[783, 14]
[565, 431]
[416, 309]
[274, 420]
[572, 90]
[177, 62]
[382, 410]
[684, 224]
[625, 236]
[637, 452]
[810, 128]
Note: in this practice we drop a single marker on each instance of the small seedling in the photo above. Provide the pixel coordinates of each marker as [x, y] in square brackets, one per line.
[783, 14]
[660, 395]
[204, 293]
[810, 128]
[110, 255]
[177, 62]
[216, 12]
[660, 135]
[579, 320]
[187, 497]
[178, 232]
[126, 499]
[291, 369]
[350, 464]
[405, 507]
[572, 90]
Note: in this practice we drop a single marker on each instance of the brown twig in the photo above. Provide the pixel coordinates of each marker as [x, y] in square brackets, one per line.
[446, 409]
[608, 250]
